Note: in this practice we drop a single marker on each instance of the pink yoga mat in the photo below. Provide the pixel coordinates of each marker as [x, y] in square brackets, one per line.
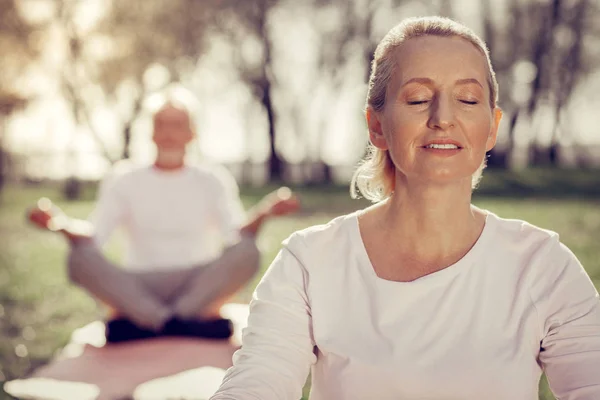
[163, 368]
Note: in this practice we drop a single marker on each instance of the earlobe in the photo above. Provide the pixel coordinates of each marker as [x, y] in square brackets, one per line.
[375, 131]
[497, 117]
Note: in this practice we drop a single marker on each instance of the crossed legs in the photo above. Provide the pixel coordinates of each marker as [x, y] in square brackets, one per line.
[151, 298]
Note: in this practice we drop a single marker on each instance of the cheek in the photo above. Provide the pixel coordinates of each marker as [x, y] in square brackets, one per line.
[478, 128]
[182, 140]
[402, 127]
[161, 139]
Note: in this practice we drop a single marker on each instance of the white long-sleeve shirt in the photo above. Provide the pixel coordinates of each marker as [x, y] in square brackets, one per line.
[171, 218]
[517, 303]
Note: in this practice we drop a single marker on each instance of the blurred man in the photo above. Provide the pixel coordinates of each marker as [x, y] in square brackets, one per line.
[189, 247]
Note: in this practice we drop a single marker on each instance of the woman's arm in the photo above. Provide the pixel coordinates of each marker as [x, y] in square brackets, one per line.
[277, 345]
[569, 308]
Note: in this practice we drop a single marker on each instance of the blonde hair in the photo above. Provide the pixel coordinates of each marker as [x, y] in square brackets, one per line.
[375, 176]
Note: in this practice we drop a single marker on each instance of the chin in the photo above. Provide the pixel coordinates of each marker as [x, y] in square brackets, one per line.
[172, 149]
[448, 177]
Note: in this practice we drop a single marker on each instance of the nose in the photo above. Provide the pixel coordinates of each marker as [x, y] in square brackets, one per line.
[441, 114]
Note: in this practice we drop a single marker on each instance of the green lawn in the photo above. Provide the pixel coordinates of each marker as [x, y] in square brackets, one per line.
[39, 309]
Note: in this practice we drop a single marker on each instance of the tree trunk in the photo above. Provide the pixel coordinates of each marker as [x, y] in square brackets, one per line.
[488, 28]
[72, 188]
[275, 161]
[327, 173]
[500, 158]
[541, 54]
[126, 142]
[318, 173]
[2, 154]
[2, 167]
[137, 109]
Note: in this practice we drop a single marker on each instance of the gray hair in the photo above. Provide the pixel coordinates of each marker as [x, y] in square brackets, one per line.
[375, 176]
[176, 96]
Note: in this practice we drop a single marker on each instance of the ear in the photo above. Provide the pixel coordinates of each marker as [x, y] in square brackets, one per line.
[491, 141]
[375, 132]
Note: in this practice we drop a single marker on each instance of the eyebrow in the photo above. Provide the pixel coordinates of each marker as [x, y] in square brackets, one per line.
[429, 82]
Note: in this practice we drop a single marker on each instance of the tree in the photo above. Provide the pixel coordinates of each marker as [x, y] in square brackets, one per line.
[251, 17]
[354, 34]
[547, 36]
[135, 36]
[138, 35]
[19, 44]
[569, 72]
[146, 34]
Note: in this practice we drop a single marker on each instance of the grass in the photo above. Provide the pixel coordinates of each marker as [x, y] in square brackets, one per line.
[39, 308]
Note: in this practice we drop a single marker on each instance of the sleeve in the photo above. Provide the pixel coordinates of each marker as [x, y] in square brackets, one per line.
[277, 345]
[569, 309]
[230, 211]
[109, 212]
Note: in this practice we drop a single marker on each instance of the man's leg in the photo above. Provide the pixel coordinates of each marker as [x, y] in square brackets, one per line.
[200, 291]
[166, 283]
[213, 284]
[116, 287]
[92, 271]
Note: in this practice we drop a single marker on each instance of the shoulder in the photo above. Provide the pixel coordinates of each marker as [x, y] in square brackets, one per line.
[123, 173]
[536, 248]
[214, 174]
[331, 239]
[557, 284]
[520, 231]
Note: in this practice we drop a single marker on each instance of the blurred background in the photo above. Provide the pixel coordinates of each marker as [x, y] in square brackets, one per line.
[280, 88]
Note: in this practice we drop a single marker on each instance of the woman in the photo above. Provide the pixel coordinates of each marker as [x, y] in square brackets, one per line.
[422, 295]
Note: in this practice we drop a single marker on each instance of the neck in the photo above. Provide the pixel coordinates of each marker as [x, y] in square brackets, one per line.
[169, 161]
[432, 222]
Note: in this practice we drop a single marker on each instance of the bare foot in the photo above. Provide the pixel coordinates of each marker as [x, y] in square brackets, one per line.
[213, 311]
[46, 215]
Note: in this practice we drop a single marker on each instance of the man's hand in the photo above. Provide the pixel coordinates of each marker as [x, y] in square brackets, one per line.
[281, 202]
[47, 216]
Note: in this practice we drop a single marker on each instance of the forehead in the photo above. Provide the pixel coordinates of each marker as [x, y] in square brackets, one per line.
[170, 113]
[441, 59]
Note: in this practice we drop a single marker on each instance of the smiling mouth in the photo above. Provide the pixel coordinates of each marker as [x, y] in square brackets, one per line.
[442, 146]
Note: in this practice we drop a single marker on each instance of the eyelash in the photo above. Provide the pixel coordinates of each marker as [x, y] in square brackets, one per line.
[419, 102]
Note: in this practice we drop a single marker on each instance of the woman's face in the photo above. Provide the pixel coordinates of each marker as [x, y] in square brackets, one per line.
[437, 122]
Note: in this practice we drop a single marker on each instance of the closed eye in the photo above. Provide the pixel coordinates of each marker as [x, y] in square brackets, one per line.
[417, 102]
[470, 102]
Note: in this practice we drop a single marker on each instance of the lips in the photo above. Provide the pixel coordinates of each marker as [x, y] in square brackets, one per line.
[442, 144]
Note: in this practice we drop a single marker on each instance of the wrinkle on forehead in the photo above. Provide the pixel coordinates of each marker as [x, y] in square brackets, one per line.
[441, 59]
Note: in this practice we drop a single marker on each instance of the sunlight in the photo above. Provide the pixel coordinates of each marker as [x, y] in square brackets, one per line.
[316, 115]
[52, 389]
